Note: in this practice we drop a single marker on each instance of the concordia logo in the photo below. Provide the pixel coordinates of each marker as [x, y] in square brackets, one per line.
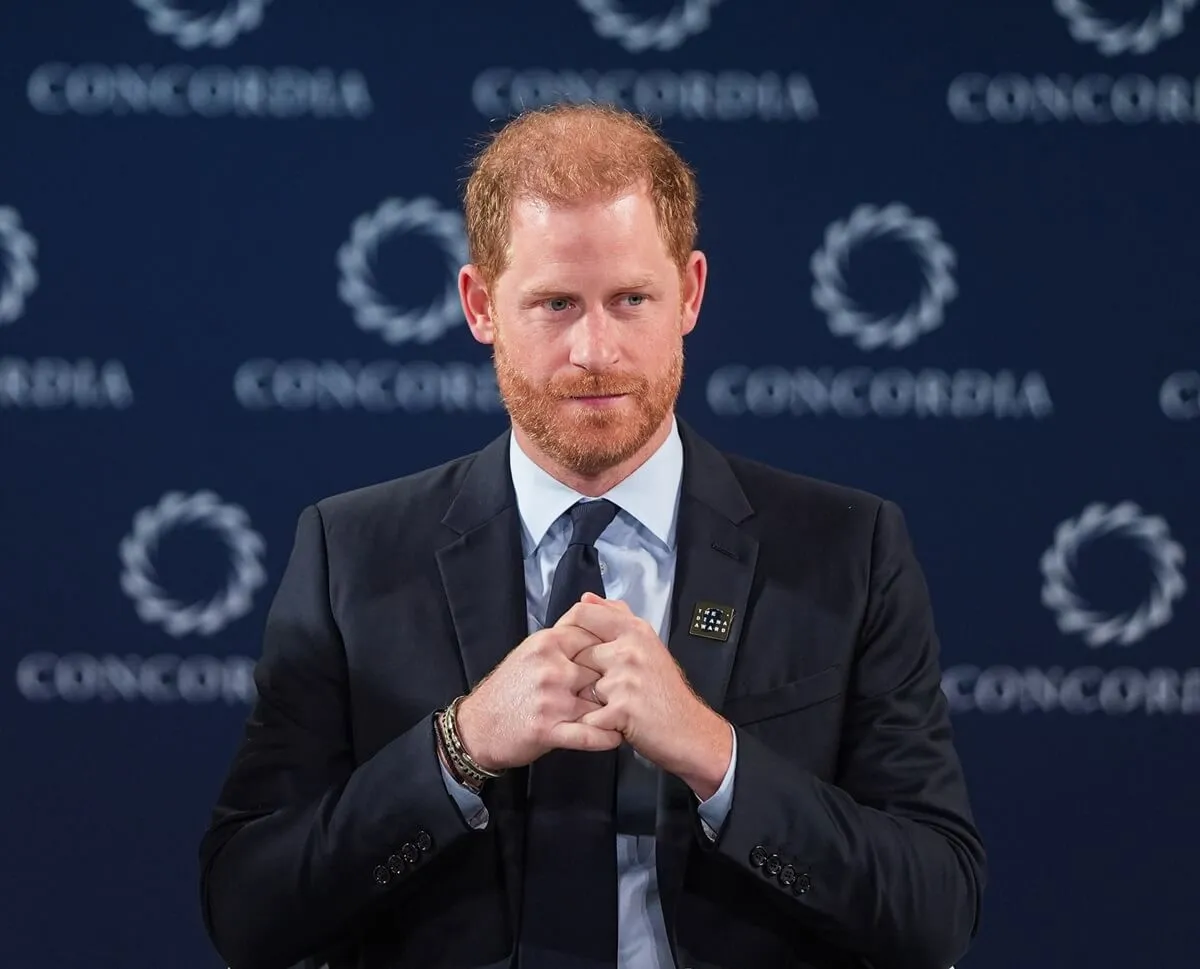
[357, 289]
[384, 386]
[1135, 37]
[47, 383]
[246, 574]
[215, 29]
[636, 35]
[1093, 98]
[1074, 614]
[204, 91]
[18, 249]
[937, 260]
[857, 392]
[1093, 689]
[1179, 395]
[166, 677]
[734, 94]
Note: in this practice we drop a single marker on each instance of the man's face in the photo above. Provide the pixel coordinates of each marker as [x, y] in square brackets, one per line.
[587, 324]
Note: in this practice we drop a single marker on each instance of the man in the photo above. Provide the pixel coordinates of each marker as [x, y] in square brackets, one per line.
[598, 694]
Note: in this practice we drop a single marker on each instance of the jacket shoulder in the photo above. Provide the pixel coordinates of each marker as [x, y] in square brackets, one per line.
[844, 526]
[419, 500]
[773, 491]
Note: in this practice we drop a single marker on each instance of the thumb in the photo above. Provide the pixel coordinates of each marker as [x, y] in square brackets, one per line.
[590, 598]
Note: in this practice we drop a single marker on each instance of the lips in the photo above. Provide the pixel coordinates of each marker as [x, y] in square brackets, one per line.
[598, 401]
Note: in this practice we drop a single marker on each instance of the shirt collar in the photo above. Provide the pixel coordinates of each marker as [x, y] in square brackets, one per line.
[650, 495]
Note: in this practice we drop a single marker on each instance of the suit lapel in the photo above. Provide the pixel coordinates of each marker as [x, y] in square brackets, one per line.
[715, 563]
[483, 575]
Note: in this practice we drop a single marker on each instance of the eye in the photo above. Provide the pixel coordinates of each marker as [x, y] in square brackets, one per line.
[557, 304]
[638, 298]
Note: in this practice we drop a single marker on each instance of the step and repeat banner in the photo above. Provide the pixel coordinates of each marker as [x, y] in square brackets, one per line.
[954, 261]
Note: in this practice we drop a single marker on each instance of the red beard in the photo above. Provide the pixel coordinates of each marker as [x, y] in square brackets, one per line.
[585, 440]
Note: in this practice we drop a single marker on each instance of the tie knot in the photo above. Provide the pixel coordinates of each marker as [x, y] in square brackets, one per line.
[589, 519]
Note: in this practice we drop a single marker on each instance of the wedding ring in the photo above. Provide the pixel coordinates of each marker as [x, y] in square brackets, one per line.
[596, 696]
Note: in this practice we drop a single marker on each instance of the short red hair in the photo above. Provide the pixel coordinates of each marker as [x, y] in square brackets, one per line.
[568, 153]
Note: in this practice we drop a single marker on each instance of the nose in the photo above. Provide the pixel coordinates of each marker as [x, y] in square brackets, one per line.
[593, 342]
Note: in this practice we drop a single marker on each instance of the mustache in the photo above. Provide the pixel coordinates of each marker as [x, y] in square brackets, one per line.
[597, 385]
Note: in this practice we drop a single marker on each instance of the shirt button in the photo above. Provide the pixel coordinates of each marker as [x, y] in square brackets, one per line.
[603, 568]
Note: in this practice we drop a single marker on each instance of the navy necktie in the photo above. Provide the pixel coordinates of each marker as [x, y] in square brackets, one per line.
[569, 916]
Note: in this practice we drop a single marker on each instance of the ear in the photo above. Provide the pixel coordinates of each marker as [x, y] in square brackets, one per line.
[691, 295]
[476, 303]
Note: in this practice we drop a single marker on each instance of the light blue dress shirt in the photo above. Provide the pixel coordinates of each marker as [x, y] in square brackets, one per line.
[637, 560]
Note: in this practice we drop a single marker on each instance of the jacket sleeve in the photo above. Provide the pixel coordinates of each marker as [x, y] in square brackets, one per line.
[304, 843]
[885, 862]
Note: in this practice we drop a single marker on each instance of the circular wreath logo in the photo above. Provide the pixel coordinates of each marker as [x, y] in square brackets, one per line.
[191, 30]
[1135, 37]
[829, 288]
[1059, 592]
[139, 577]
[18, 250]
[637, 34]
[357, 286]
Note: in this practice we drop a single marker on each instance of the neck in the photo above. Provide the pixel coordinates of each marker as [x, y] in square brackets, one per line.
[604, 481]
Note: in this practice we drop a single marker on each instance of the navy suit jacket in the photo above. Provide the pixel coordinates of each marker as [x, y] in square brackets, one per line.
[850, 840]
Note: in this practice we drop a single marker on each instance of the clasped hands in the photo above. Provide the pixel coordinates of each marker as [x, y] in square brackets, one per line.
[541, 698]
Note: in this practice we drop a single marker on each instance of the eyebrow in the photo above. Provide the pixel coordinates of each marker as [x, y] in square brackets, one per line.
[540, 292]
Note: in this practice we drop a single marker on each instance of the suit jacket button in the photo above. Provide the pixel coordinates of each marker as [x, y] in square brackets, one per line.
[396, 864]
[425, 841]
[408, 851]
[773, 865]
[382, 875]
[758, 856]
[787, 876]
[803, 884]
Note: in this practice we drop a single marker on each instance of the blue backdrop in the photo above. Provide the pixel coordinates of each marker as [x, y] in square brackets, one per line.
[953, 261]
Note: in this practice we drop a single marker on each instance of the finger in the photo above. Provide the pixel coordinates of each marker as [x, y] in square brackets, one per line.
[597, 618]
[603, 718]
[569, 640]
[580, 677]
[584, 704]
[588, 659]
[598, 657]
[591, 597]
[580, 736]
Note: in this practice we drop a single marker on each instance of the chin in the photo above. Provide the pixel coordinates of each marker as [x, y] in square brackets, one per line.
[594, 443]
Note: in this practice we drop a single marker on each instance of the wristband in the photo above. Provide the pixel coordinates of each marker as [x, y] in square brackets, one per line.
[466, 769]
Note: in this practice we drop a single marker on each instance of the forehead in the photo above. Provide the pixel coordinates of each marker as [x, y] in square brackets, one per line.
[624, 227]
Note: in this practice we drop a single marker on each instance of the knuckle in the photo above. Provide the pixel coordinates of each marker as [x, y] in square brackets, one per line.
[532, 647]
[543, 677]
[543, 708]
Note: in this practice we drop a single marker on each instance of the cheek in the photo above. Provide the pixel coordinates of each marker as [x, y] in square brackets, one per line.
[538, 356]
[651, 346]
